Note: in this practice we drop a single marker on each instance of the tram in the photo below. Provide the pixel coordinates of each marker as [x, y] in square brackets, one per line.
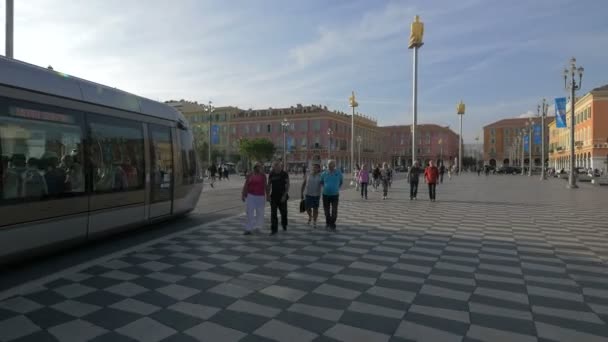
[81, 160]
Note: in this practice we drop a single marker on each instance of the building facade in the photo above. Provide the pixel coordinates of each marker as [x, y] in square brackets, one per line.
[434, 142]
[313, 133]
[590, 135]
[502, 142]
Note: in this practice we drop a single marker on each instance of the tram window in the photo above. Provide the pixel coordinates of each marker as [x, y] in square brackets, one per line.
[161, 172]
[188, 157]
[40, 148]
[117, 154]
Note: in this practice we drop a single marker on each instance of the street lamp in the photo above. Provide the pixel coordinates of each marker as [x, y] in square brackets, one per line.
[530, 126]
[285, 127]
[523, 150]
[359, 140]
[329, 134]
[573, 87]
[353, 103]
[416, 33]
[542, 112]
[9, 29]
[460, 111]
[209, 110]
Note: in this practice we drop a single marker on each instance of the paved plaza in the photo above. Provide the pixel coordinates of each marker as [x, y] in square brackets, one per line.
[498, 258]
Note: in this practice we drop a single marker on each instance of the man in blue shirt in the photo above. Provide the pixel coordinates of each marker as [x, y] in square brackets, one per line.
[331, 180]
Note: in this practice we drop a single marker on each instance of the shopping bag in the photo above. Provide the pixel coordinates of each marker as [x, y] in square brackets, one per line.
[302, 206]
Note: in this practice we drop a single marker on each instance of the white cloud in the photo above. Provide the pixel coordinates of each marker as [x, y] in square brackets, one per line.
[374, 25]
[528, 114]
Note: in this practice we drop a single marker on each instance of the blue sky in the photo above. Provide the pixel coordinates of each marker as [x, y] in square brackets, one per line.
[500, 57]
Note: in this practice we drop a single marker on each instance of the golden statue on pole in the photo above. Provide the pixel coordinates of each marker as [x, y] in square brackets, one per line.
[353, 102]
[416, 33]
[460, 108]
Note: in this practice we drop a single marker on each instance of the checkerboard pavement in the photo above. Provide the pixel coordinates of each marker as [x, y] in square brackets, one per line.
[494, 259]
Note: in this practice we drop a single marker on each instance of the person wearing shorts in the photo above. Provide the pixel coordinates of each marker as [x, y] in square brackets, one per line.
[311, 192]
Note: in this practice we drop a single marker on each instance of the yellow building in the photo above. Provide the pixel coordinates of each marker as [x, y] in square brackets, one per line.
[590, 135]
[201, 119]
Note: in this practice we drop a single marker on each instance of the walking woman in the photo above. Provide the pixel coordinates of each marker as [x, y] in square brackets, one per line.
[363, 180]
[431, 175]
[254, 195]
[311, 192]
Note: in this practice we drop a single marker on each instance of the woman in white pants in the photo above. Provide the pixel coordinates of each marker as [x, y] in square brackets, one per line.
[254, 195]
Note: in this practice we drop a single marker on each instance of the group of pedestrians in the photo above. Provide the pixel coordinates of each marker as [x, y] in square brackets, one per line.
[319, 187]
[379, 176]
[432, 175]
[275, 189]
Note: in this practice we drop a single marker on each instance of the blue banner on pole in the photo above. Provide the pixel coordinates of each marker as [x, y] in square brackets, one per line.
[289, 143]
[215, 134]
[526, 143]
[560, 112]
[537, 135]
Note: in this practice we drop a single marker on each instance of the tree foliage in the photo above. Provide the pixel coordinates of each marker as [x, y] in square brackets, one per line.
[259, 149]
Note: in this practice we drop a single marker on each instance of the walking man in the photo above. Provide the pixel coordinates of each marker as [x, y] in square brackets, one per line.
[385, 178]
[331, 180]
[278, 187]
[441, 172]
[311, 192]
[431, 175]
[413, 177]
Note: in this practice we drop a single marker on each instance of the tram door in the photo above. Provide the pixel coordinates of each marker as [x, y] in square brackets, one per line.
[161, 171]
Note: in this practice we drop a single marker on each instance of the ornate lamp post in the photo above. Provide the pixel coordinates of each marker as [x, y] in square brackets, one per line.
[416, 33]
[523, 150]
[359, 140]
[354, 104]
[573, 86]
[329, 134]
[460, 111]
[285, 127]
[530, 126]
[209, 110]
[542, 112]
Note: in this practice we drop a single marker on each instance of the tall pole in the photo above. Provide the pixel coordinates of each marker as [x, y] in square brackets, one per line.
[352, 141]
[416, 34]
[414, 104]
[543, 113]
[353, 104]
[530, 135]
[523, 151]
[209, 151]
[572, 176]
[285, 126]
[574, 86]
[9, 28]
[460, 148]
[328, 145]
[460, 111]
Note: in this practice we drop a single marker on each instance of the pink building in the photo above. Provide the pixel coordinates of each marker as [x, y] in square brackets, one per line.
[314, 133]
[433, 143]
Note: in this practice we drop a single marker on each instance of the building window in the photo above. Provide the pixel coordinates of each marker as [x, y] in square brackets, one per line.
[493, 131]
[258, 128]
[316, 125]
[268, 128]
